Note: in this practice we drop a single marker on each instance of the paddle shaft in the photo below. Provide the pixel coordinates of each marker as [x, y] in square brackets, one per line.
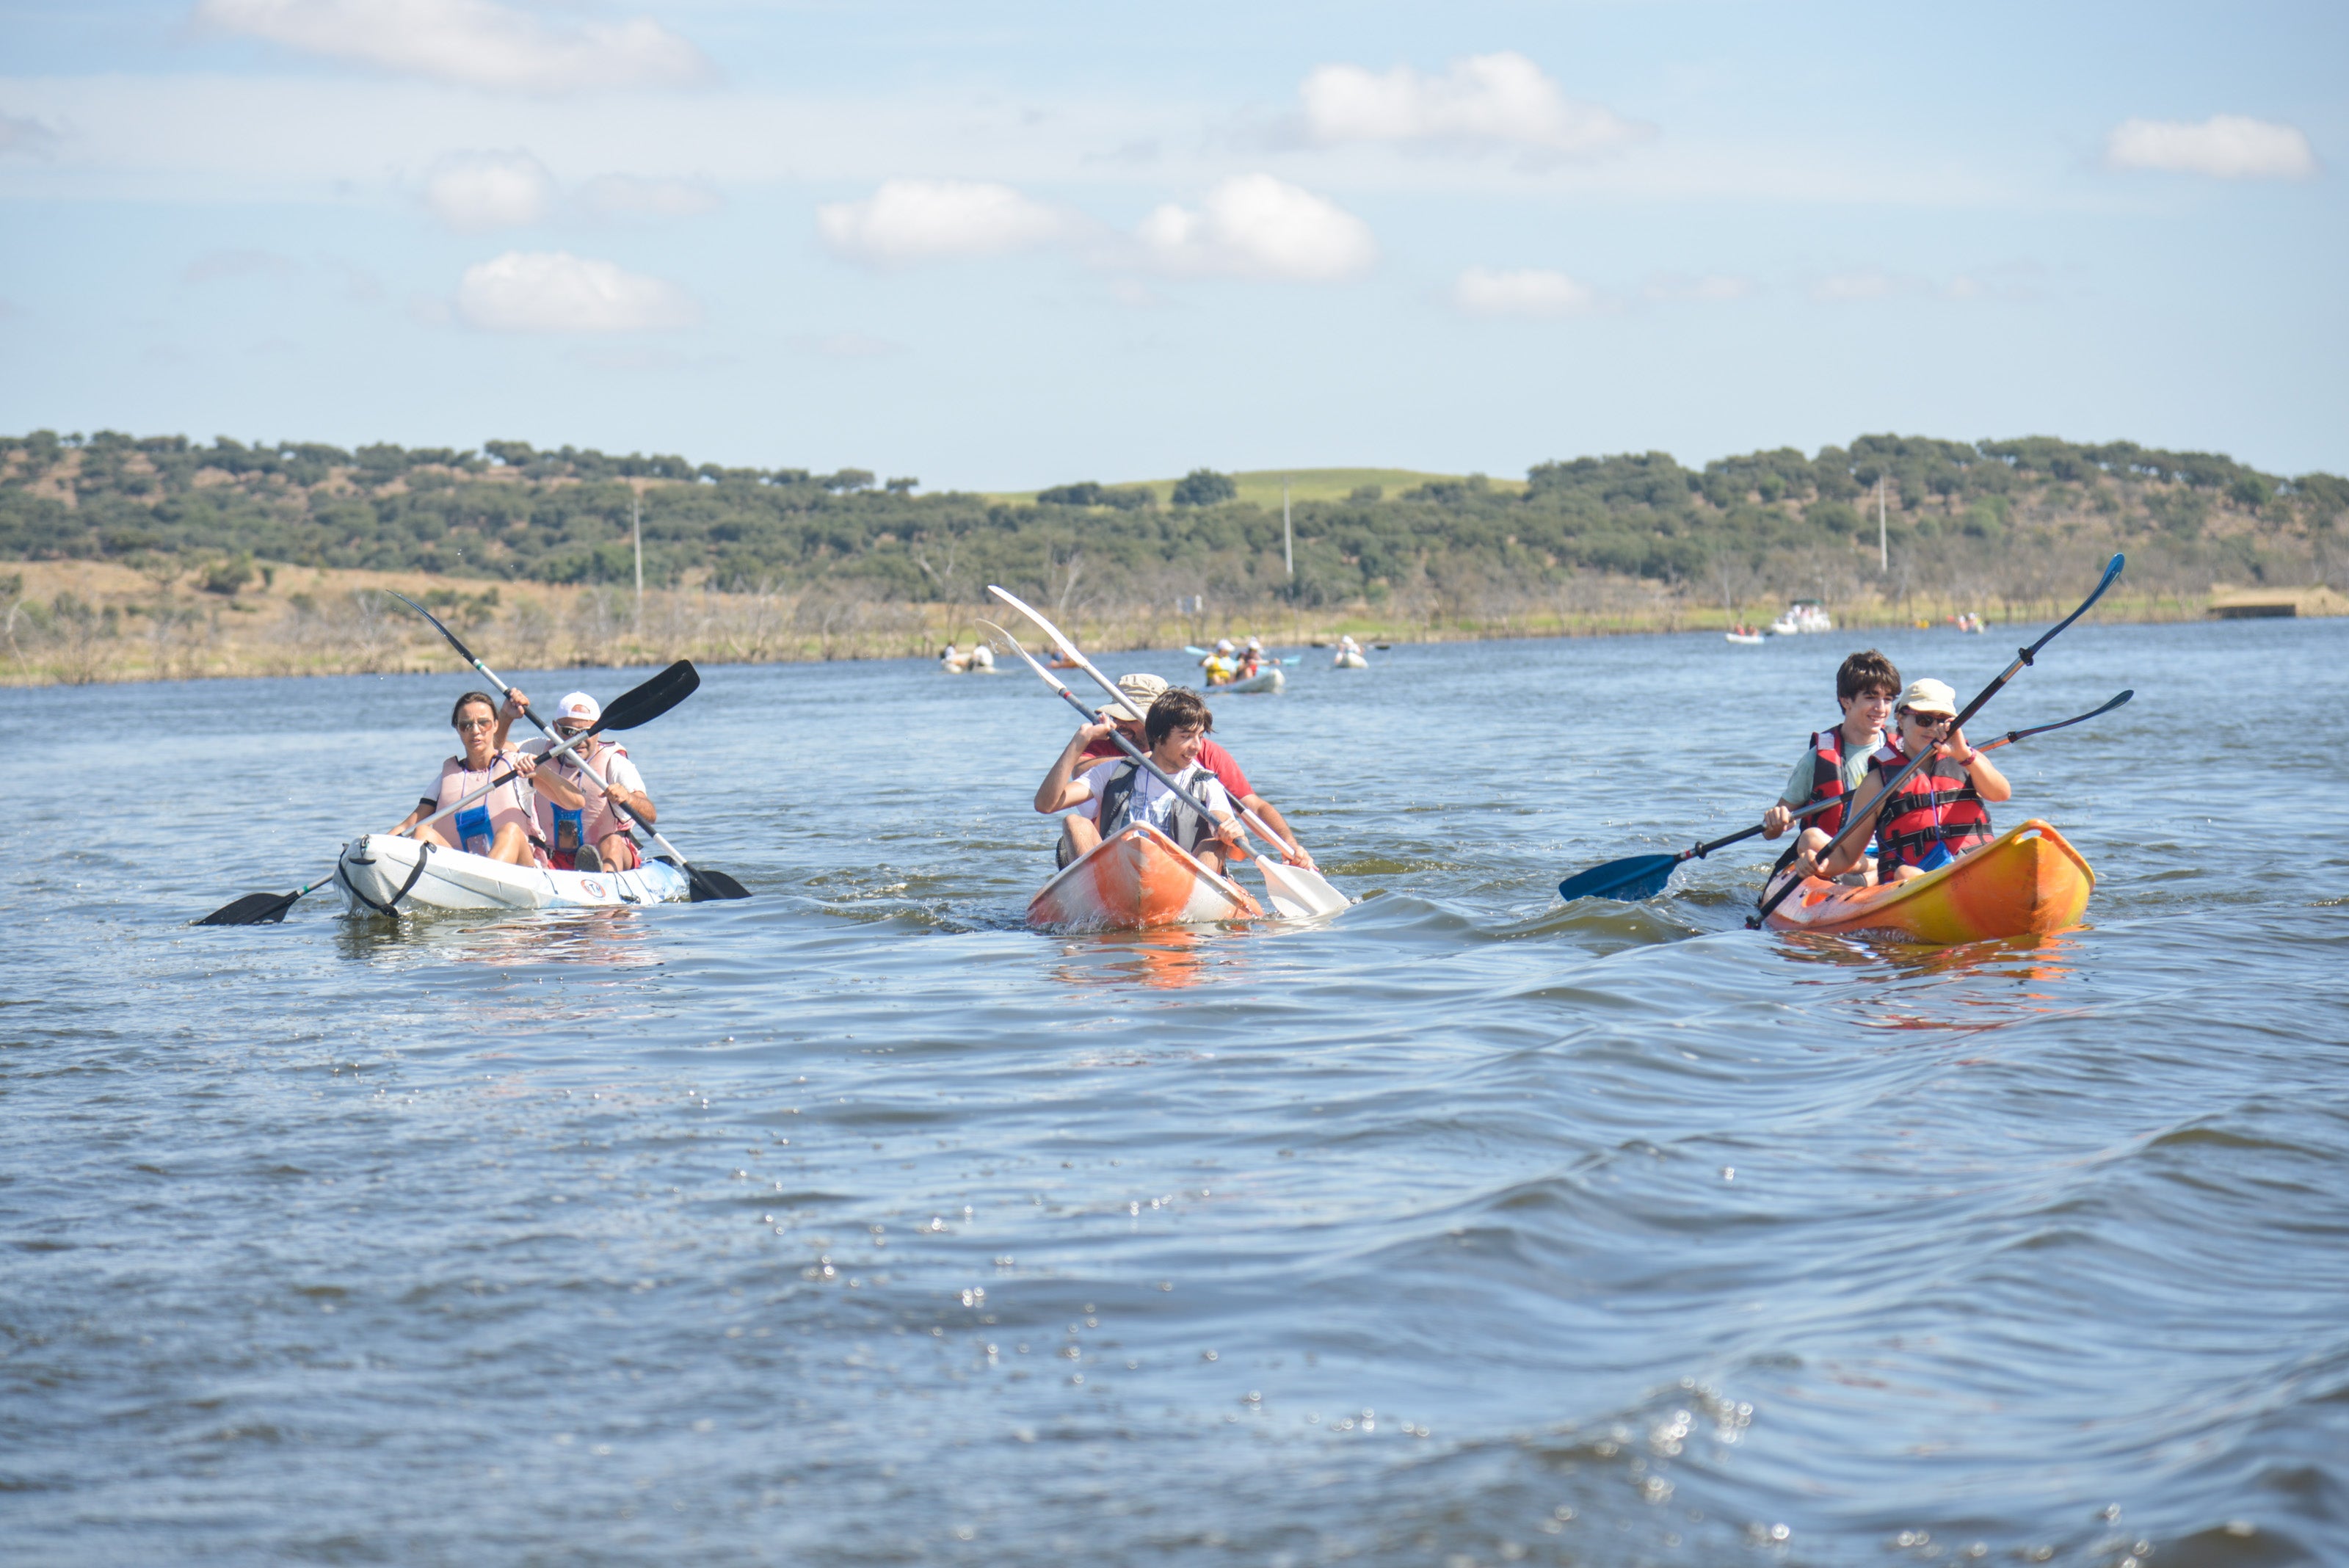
[1068, 650]
[1859, 821]
[585, 764]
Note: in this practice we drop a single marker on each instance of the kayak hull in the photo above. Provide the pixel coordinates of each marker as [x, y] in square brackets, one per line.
[1350, 661]
[1747, 639]
[1265, 681]
[2027, 881]
[380, 872]
[1137, 879]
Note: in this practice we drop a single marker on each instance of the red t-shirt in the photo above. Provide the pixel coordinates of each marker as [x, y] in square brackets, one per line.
[1212, 757]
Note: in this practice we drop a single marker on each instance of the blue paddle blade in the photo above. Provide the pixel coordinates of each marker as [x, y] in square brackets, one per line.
[1635, 876]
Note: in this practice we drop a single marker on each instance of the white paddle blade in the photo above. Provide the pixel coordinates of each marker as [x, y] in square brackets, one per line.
[1296, 893]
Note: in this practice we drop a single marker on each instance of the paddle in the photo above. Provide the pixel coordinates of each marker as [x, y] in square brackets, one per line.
[1302, 884]
[1292, 896]
[637, 705]
[1858, 823]
[703, 886]
[1644, 876]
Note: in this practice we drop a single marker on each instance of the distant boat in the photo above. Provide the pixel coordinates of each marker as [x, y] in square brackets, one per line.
[1802, 617]
[1744, 637]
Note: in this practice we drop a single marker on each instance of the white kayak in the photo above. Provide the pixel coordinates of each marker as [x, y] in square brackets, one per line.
[1747, 638]
[1268, 678]
[385, 874]
[1348, 659]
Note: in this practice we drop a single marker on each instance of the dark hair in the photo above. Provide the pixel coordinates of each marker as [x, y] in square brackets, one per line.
[1867, 672]
[1177, 707]
[467, 701]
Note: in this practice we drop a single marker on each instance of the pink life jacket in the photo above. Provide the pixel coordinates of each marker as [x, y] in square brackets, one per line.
[565, 832]
[476, 827]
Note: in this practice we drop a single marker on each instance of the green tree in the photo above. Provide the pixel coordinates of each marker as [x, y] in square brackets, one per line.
[1205, 487]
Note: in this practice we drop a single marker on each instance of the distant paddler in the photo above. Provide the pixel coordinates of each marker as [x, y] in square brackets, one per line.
[503, 824]
[1110, 796]
[1350, 654]
[1222, 664]
[1140, 689]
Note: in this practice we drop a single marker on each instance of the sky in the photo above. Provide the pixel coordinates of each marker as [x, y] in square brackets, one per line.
[1001, 245]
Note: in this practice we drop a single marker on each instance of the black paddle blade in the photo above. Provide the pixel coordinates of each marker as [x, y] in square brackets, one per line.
[642, 704]
[707, 887]
[252, 909]
[1634, 876]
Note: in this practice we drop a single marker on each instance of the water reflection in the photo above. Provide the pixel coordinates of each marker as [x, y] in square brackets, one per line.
[1161, 960]
[2037, 966]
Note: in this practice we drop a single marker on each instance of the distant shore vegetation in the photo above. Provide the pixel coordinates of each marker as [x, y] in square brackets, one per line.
[1630, 540]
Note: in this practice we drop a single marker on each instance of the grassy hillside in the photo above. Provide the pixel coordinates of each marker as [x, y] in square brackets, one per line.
[1262, 487]
[831, 563]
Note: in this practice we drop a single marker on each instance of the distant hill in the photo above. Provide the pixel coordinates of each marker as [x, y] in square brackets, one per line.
[1997, 519]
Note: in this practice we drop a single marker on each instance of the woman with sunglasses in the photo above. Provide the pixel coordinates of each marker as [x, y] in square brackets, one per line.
[499, 827]
[587, 834]
[1942, 811]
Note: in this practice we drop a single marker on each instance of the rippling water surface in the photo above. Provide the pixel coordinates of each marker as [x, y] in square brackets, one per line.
[858, 1223]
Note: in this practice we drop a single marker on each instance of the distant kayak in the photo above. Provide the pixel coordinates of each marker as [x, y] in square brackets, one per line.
[979, 660]
[2027, 880]
[380, 873]
[1268, 678]
[1348, 659]
[1137, 880]
[1747, 638]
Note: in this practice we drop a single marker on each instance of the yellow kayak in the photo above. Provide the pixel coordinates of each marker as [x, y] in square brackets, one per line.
[2026, 880]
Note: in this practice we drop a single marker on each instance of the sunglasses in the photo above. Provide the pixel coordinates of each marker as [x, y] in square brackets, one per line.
[567, 731]
[477, 723]
[1928, 720]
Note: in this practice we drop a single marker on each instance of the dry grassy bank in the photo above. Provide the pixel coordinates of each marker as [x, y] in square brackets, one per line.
[79, 622]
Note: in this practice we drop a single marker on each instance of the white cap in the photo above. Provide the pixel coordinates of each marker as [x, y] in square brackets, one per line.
[1929, 697]
[1222, 645]
[1256, 642]
[578, 705]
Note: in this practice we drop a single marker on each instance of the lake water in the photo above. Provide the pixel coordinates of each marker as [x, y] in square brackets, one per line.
[857, 1223]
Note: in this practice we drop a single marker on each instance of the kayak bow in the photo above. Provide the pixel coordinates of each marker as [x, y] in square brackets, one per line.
[2027, 881]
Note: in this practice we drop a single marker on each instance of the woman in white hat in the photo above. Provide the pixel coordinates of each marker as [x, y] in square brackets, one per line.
[591, 836]
[1942, 810]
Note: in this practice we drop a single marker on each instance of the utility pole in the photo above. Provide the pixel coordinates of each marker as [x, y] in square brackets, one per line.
[1883, 557]
[1287, 540]
[637, 532]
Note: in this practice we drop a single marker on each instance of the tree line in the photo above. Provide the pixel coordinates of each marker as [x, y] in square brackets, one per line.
[510, 511]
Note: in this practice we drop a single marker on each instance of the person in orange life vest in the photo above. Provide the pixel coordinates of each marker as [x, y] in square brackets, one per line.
[1140, 691]
[590, 835]
[1111, 795]
[500, 825]
[1866, 686]
[1941, 812]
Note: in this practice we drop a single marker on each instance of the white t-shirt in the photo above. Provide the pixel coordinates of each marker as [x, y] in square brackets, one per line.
[612, 763]
[1153, 802]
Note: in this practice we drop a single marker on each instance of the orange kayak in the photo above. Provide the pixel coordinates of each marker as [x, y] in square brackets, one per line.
[2026, 880]
[1136, 878]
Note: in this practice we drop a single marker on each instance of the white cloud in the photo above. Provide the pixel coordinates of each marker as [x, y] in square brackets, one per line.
[1531, 291]
[1866, 284]
[2225, 147]
[632, 196]
[844, 346]
[1712, 289]
[1484, 100]
[24, 135]
[910, 221]
[473, 43]
[476, 191]
[1257, 226]
[554, 291]
[216, 266]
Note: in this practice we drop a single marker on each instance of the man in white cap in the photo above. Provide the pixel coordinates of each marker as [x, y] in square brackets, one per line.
[1942, 810]
[594, 837]
[1128, 718]
[1220, 664]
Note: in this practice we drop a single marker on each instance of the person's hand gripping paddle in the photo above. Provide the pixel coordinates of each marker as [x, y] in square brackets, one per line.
[703, 884]
[1856, 824]
[637, 705]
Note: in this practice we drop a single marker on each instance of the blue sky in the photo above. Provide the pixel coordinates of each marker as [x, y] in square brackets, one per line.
[1000, 246]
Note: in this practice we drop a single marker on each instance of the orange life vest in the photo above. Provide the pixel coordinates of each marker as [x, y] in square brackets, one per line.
[1937, 805]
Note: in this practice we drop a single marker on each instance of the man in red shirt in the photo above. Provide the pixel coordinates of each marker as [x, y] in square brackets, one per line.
[1143, 689]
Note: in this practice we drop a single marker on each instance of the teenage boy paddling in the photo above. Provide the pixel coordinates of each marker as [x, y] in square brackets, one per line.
[1940, 812]
[1112, 795]
[1866, 686]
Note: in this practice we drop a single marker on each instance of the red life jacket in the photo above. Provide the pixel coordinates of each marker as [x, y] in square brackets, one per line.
[1937, 804]
[1826, 779]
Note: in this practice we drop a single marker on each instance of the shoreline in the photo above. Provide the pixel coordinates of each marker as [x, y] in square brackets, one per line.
[76, 623]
